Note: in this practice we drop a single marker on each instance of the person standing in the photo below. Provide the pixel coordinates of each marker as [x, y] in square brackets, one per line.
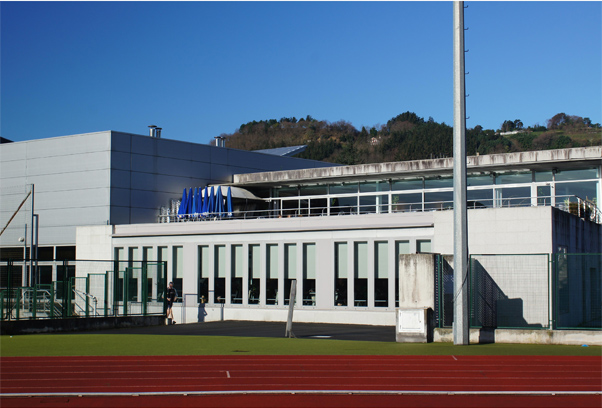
[172, 295]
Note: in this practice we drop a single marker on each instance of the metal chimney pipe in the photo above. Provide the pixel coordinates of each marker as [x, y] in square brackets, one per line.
[158, 132]
[220, 141]
[152, 130]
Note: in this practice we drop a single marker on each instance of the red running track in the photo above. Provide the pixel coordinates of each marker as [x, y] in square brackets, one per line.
[208, 374]
[301, 381]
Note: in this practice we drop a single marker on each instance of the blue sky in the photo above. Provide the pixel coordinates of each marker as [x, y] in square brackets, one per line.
[200, 69]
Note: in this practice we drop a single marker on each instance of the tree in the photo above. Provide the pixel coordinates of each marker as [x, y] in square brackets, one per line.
[518, 125]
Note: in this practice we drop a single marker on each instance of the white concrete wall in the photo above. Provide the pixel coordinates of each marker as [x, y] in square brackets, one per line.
[521, 230]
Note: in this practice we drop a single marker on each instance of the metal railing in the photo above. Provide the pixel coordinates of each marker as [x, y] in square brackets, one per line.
[586, 209]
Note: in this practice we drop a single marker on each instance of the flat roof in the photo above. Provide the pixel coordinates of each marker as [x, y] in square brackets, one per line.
[574, 158]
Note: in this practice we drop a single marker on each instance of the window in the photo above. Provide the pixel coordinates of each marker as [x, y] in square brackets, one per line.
[272, 274]
[219, 274]
[254, 274]
[381, 274]
[203, 290]
[341, 273]
[178, 270]
[236, 274]
[401, 247]
[360, 282]
[423, 246]
[290, 269]
[309, 274]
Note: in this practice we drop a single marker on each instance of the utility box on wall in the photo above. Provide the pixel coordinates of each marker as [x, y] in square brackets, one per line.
[412, 325]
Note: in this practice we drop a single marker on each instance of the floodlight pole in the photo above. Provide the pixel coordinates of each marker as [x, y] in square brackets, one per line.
[461, 325]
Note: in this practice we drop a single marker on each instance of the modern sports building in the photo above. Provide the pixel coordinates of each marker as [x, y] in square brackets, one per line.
[348, 236]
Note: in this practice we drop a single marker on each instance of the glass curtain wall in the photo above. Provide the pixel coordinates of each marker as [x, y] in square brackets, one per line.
[360, 282]
[381, 274]
[219, 274]
[290, 269]
[203, 289]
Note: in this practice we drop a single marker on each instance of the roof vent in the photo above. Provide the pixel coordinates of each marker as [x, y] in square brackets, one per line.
[152, 131]
[220, 141]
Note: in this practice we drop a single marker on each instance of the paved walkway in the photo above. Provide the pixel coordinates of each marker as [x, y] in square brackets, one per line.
[268, 329]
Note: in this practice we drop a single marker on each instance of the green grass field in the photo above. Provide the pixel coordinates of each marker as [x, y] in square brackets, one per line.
[148, 345]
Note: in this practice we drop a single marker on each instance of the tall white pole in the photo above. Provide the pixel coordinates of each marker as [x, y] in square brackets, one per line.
[461, 324]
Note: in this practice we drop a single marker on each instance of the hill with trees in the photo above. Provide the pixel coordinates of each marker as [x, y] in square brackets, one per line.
[409, 137]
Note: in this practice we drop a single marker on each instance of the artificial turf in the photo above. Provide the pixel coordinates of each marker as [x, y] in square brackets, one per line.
[148, 345]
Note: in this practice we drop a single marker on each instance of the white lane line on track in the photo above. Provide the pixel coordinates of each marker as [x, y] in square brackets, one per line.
[238, 392]
[228, 374]
[454, 357]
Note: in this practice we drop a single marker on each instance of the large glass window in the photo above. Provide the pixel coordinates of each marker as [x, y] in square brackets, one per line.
[254, 274]
[345, 188]
[513, 197]
[440, 200]
[313, 190]
[482, 198]
[381, 274]
[407, 184]
[178, 270]
[439, 182]
[203, 274]
[513, 178]
[343, 205]
[374, 186]
[219, 274]
[341, 274]
[584, 174]
[309, 274]
[290, 269]
[237, 274]
[407, 202]
[566, 192]
[360, 282]
[272, 274]
[479, 180]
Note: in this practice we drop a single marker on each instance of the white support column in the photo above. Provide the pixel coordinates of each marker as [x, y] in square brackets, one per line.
[461, 324]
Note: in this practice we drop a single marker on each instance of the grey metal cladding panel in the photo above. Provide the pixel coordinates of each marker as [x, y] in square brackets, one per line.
[82, 180]
[120, 142]
[72, 199]
[120, 178]
[221, 174]
[10, 169]
[69, 145]
[201, 153]
[200, 170]
[174, 167]
[120, 197]
[120, 215]
[143, 215]
[120, 161]
[173, 184]
[144, 181]
[174, 149]
[145, 199]
[70, 163]
[13, 151]
[144, 163]
[144, 145]
[73, 216]
[219, 155]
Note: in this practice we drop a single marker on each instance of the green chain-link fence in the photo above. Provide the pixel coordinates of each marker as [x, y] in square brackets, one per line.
[138, 290]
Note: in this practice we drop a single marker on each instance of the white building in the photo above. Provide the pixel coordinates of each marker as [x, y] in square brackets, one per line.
[340, 231]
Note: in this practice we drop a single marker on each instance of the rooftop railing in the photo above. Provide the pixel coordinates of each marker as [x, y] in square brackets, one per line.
[585, 209]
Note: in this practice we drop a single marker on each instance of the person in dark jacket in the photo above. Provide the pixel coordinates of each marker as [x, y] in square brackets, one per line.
[172, 295]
